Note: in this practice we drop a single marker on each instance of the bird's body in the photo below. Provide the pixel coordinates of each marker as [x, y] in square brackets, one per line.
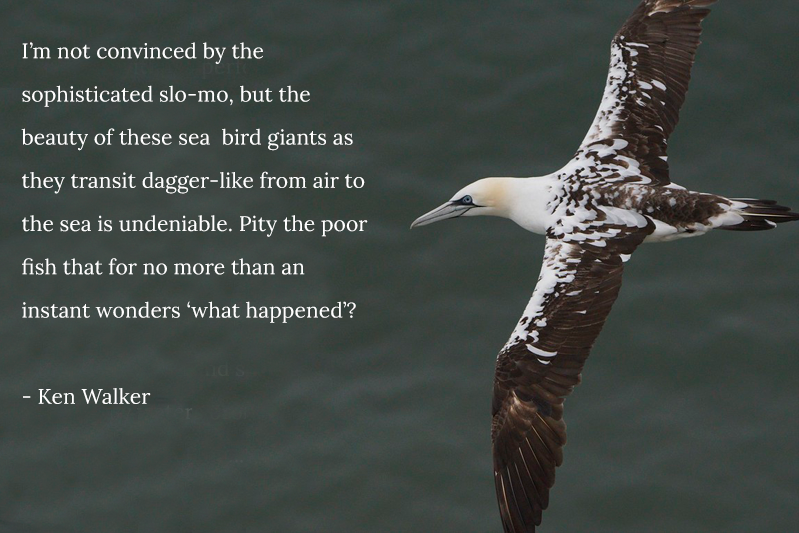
[562, 202]
[613, 195]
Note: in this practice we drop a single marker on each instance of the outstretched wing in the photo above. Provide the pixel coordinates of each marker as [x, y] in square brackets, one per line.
[650, 67]
[543, 359]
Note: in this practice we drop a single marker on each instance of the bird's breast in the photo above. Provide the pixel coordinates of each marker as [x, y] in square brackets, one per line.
[533, 203]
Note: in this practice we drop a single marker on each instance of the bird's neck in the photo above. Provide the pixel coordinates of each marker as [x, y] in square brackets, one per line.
[526, 202]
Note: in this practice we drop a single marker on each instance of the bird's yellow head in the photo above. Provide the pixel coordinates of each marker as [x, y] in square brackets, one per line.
[488, 196]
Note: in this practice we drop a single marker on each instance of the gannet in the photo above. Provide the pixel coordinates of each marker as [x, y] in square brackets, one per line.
[612, 196]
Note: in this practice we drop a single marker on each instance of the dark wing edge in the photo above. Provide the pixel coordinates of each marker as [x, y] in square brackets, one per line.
[541, 365]
[650, 70]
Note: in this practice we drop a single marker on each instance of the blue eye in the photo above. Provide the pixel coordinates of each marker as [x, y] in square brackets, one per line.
[467, 200]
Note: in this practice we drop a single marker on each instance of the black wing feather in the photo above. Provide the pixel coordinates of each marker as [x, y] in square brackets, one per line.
[528, 431]
[650, 70]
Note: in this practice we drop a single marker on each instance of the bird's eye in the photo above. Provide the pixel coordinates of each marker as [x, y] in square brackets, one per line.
[467, 200]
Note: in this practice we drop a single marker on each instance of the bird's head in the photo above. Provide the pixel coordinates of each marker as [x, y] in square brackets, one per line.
[488, 196]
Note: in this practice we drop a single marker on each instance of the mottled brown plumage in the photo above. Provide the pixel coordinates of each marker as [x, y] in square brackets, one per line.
[677, 207]
[528, 431]
[658, 44]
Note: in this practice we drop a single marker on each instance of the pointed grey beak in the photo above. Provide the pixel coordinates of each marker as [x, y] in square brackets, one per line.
[448, 210]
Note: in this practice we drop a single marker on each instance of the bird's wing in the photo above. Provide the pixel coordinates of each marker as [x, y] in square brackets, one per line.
[650, 67]
[542, 362]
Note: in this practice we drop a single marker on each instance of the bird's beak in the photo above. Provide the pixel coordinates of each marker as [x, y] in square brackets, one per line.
[448, 210]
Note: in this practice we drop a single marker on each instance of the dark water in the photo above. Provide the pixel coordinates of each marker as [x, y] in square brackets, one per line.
[687, 417]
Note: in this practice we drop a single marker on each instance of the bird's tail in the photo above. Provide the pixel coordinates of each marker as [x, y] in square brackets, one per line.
[759, 214]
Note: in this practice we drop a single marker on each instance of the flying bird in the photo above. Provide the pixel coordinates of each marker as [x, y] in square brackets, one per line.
[612, 196]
